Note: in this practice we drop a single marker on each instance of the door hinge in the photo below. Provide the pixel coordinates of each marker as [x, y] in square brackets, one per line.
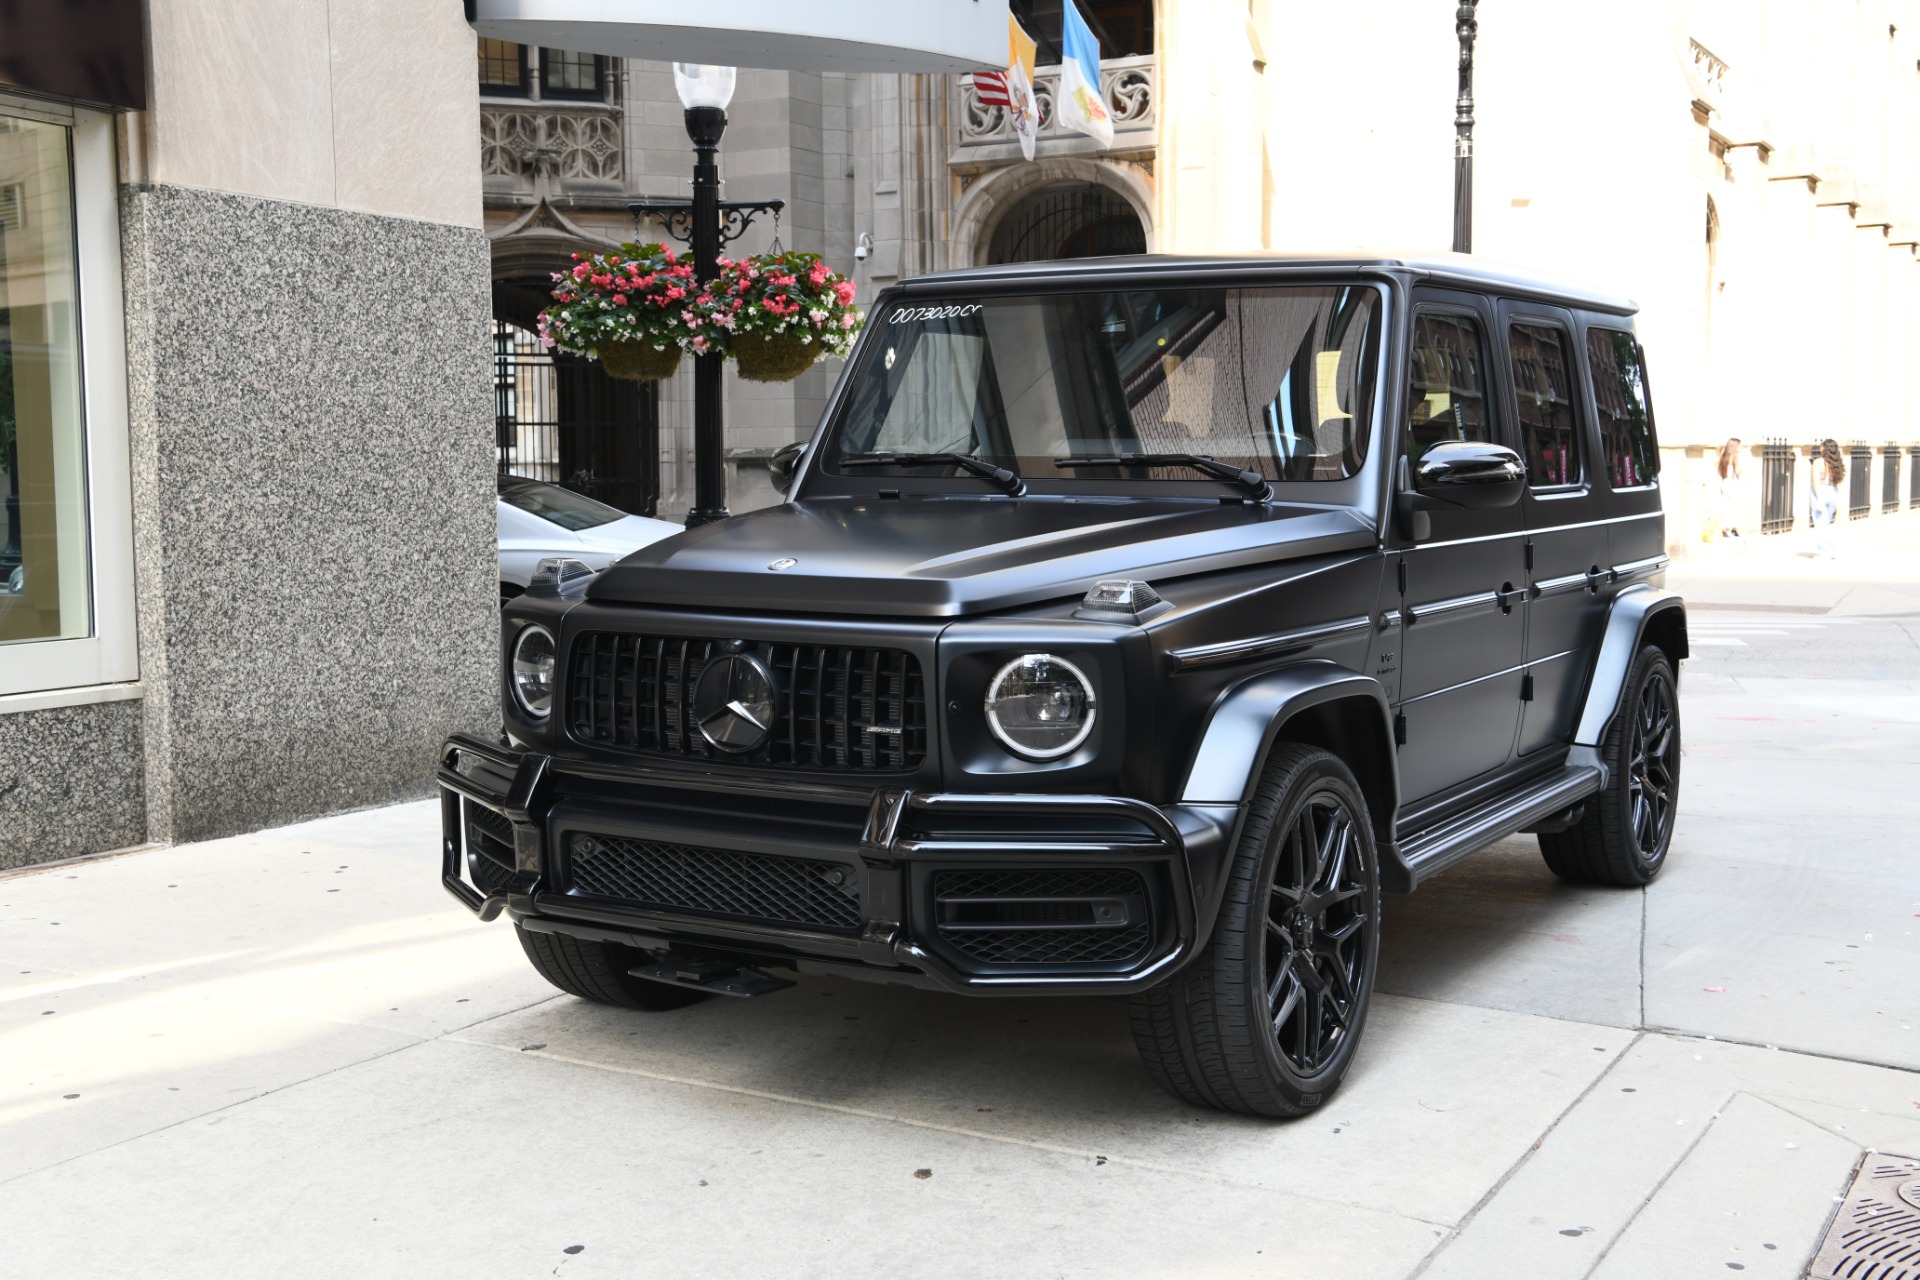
[1529, 555]
[1400, 730]
[1526, 687]
[1403, 577]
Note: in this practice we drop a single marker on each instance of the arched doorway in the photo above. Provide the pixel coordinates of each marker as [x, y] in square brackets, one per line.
[1067, 220]
[561, 419]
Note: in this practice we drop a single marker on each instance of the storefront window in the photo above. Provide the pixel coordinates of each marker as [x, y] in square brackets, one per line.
[44, 587]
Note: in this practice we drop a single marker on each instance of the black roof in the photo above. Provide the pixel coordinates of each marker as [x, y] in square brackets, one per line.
[1452, 268]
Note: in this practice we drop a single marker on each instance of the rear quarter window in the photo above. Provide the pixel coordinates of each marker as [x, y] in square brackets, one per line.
[1625, 408]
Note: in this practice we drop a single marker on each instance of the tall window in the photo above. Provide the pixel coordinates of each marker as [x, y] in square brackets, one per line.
[1626, 411]
[65, 507]
[1447, 389]
[571, 75]
[503, 69]
[1543, 383]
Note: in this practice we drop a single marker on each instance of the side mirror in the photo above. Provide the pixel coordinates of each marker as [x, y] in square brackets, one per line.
[785, 463]
[1470, 473]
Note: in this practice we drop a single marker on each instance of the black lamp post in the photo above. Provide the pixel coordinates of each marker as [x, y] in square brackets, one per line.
[1465, 25]
[706, 224]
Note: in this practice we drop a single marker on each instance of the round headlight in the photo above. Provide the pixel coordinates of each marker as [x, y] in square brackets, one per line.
[1040, 706]
[533, 671]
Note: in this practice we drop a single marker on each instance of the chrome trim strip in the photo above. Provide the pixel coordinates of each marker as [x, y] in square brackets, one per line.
[1420, 612]
[1464, 684]
[1523, 533]
[1553, 586]
[1651, 564]
[1207, 655]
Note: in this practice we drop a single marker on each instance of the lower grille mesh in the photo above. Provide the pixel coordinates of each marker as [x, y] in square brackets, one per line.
[1040, 945]
[490, 855]
[747, 886]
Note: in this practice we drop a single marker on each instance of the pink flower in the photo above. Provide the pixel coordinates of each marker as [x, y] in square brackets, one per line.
[619, 299]
[848, 320]
[818, 276]
[580, 272]
[844, 290]
[700, 343]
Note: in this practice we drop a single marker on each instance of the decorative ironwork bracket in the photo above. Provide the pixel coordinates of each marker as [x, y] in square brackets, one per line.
[676, 216]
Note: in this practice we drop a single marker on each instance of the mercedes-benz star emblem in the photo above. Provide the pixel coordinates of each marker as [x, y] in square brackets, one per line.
[733, 702]
[784, 562]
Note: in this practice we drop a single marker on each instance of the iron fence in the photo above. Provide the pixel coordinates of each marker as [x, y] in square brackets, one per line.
[1778, 460]
[1890, 479]
[560, 419]
[1913, 475]
[1860, 482]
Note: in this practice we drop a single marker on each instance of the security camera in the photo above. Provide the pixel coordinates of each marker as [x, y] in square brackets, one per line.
[862, 247]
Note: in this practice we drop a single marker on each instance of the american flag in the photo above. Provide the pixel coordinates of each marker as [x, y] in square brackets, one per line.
[992, 88]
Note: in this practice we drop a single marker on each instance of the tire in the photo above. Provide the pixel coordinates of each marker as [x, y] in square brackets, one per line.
[1623, 837]
[597, 971]
[1266, 1019]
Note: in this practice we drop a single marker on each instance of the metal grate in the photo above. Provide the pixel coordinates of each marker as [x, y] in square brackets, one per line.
[835, 707]
[1876, 1233]
[718, 882]
[1039, 899]
[1860, 482]
[1913, 475]
[490, 855]
[561, 419]
[1777, 462]
[1890, 479]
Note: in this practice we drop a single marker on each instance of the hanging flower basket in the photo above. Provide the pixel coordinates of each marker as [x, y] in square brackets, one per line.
[631, 361]
[776, 313]
[774, 359]
[629, 310]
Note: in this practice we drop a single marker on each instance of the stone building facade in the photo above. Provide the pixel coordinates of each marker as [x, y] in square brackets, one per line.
[244, 311]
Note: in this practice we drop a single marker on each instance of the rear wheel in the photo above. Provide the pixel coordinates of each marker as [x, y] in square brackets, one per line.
[1266, 1019]
[597, 971]
[1623, 836]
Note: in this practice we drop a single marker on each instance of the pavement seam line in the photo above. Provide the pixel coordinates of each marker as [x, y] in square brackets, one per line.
[1704, 1037]
[1643, 946]
[1517, 1013]
[1664, 1178]
[1525, 1158]
[416, 1043]
[955, 1130]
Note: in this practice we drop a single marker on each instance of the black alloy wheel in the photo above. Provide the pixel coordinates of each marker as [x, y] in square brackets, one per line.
[1318, 935]
[1266, 1019]
[1623, 834]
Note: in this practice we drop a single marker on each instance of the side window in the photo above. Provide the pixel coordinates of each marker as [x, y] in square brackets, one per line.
[1626, 413]
[1448, 386]
[1543, 383]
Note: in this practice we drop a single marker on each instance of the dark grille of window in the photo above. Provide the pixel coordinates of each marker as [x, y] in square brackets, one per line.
[503, 67]
[569, 75]
[635, 693]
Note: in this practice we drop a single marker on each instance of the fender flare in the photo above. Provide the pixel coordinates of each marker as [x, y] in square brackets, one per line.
[1638, 613]
[1248, 716]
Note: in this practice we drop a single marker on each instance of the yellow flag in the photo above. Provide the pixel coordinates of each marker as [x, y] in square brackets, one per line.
[1020, 47]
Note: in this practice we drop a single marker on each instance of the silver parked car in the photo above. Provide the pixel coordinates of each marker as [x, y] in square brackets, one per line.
[539, 520]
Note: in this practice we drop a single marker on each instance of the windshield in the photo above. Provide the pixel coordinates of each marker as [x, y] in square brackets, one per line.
[1274, 381]
[571, 511]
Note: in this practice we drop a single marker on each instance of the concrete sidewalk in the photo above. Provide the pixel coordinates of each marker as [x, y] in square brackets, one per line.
[1876, 570]
[290, 1054]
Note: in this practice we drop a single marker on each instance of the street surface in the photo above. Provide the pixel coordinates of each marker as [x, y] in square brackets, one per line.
[290, 1054]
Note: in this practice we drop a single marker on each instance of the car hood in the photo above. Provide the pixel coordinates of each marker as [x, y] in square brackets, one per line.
[949, 558]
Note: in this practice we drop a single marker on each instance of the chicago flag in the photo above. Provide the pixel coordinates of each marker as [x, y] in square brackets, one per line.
[1080, 105]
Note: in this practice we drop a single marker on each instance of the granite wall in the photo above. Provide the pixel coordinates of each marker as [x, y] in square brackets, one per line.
[70, 782]
[312, 440]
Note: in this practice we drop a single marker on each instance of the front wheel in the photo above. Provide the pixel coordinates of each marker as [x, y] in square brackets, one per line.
[1266, 1019]
[1623, 836]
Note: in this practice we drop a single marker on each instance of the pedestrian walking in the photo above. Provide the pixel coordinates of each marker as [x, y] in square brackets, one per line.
[1828, 470]
[1730, 488]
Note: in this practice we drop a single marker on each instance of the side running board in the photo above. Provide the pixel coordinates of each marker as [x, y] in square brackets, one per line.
[1438, 847]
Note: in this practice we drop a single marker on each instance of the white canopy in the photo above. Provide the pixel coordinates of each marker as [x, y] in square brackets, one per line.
[794, 35]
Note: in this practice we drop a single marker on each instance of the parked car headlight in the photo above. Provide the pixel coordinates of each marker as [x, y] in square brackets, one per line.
[1040, 706]
[533, 664]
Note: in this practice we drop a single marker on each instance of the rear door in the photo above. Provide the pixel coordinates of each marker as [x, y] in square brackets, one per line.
[1464, 639]
[1564, 511]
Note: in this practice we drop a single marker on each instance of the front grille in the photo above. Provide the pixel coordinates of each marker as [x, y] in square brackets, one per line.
[1034, 900]
[490, 856]
[721, 882]
[835, 707]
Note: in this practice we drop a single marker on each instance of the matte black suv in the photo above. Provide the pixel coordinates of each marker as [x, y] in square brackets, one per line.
[1131, 625]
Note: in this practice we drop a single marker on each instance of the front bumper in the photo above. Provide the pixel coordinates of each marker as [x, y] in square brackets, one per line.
[997, 893]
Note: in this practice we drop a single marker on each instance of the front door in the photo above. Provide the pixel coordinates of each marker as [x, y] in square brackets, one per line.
[1564, 511]
[1463, 597]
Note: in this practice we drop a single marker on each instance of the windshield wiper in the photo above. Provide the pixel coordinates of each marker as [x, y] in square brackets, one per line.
[1252, 482]
[1009, 482]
